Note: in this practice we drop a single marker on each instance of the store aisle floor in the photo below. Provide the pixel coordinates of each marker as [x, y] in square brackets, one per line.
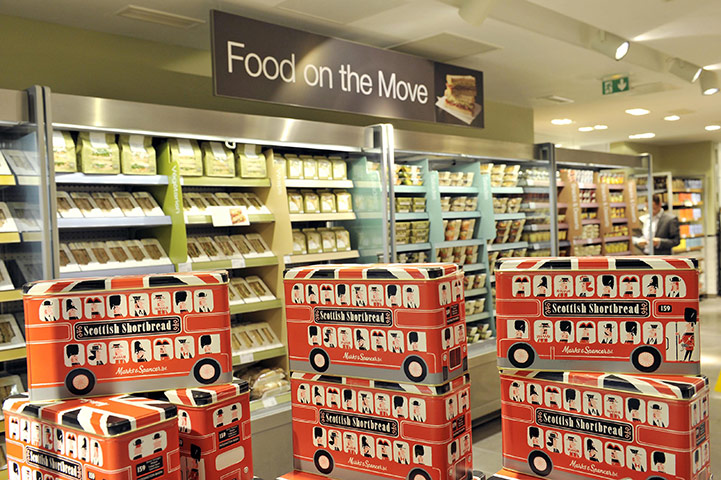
[487, 438]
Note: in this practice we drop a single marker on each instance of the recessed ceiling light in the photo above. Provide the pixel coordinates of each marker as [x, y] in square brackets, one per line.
[641, 135]
[671, 118]
[157, 16]
[712, 128]
[600, 127]
[561, 121]
[637, 111]
[558, 145]
[585, 129]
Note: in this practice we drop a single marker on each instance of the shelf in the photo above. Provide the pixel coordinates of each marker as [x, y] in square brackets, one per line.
[11, 296]
[113, 222]
[321, 217]
[622, 238]
[475, 292]
[533, 190]
[460, 243]
[473, 267]
[509, 216]
[509, 190]
[208, 220]
[409, 216]
[246, 262]
[246, 358]
[686, 250]
[564, 243]
[539, 245]
[412, 247]
[458, 190]
[695, 220]
[118, 179]
[409, 189]
[321, 257]
[619, 254]
[587, 241]
[224, 182]
[507, 246]
[303, 183]
[537, 227]
[482, 347]
[32, 236]
[15, 353]
[591, 221]
[701, 235]
[7, 181]
[687, 190]
[261, 404]
[563, 226]
[453, 215]
[255, 306]
[144, 270]
[9, 237]
[535, 205]
[617, 204]
[589, 205]
[587, 186]
[615, 186]
[619, 220]
[644, 191]
[687, 205]
[477, 316]
[533, 183]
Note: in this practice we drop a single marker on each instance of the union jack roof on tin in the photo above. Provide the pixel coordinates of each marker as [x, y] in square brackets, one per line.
[667, 386]
[597, 263]
[385, 271]
[50, 287]
[202, 396]
[103, 416]
[383, 385]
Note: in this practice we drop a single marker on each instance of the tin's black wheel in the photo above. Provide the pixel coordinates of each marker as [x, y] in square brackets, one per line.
[80, 381]
[415, 368]
[656, 477]
[418, 474]
[521, 355]
[319, 360]
[540, 463]
[207, 371]
[323, 462]
[646, 359]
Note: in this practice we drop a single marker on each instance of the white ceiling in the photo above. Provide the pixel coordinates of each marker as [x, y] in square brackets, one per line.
[528, 49]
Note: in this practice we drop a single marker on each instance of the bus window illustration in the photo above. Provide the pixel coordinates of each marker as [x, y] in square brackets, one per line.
[74, 356]
[72, 308]
[35, 434]
[383, 447]
[14, 428]
[606, 286]
[452, 451]
[83, 448]
[311, 294]
[418, 410]
[553, 441]
[136, 449]
[593, 450]
[314, 335]
[393, 296]
[318, 396]
[460, 331]
[185, 348]
[463, 401]
[26, 473]
[395, 342]
[383, 403]
[203, 301]
[71, 445]
[97, 354]
[209, 344]
[681, 338]
[362, 340]
[447, 338]
[367, 446]
[457, 286]
[119, 352]
[117, 306]
[184, 423]
[163, 349]
[571, 400]
[49, 310]
[695, 418]
[630, 333]
[401, 453]
[584, 286]
[421, 455]
[541, 285]
[318, 437]
[138, 305]
[663, 462]
[706, 452]
[521, 286]
[378, 341]
[25, 430]
[607, 332]
[465, 444]
[572, 445]
[552, 397]
[629, 286]
[675, 287]
[542, 331]
[515, 392]
[613, 407]
[235, 412]
[219, 418]
[614, 454]
[365, 402]
[359, 297]
[345, 338]
[375, 294]
[304, 393]
[48, 437]
[564, 331]
[636, 458]
[348, 400]
[696, 460]
[182, 302]
[635, 410]
[94, 308]
[704, 406]
[519, 328]
[411, 296]
[326, 294]
[329, 338]
[534, 394]
[563, 286]
[586, 332]
[400, 407]
[160, 303]
[96, 454]
[652, 286]
[334, 440]
[652, 333]
[350, 443]
[444, 293]
[141, 351]
[592, 404]
[14, 469]
[296, 293]
[342, 295]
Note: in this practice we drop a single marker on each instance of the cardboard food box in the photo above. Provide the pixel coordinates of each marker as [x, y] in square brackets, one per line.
[214, 425]
[98, 153]
[344, 428]
[251, 161]
[562, 424]
[64, 155]
[395, 322]
[108, 335]
[111, 438]
[188, 155]
[218, 160]
[137, 155]
[610, 314]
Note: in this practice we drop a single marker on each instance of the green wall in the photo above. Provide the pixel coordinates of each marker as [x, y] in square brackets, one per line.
[82, 62]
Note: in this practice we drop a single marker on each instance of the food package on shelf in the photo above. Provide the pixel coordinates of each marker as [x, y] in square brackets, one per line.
[325, 168]
[64, 155]
[218, 160]
[186, 153]
[294, 167]
[250, 161]
[340, 168]
[137, 155]
[310, 167]
[98, 153]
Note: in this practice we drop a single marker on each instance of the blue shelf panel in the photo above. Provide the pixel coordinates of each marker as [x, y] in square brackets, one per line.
[460, 243]
[458, 190]
[509, 190]
[474, 267]
[113, 222]
[118, 179]
[412, 247]
[475, 292]
[539, 245]
[506, 246]
[509, 216]
[145, 270]
[452, 215]
[477, 316]
[400, 217]
[409, 189]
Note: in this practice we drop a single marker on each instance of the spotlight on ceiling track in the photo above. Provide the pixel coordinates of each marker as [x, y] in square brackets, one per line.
[475, 12]
[709, 82]
[684, 70]
[610, 45]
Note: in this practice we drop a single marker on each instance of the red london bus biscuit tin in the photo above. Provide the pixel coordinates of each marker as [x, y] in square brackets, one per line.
[104, 438]
[354, 429]
[104, 336]
[611, 314]
[601, 426]
[399, 323]
[214, 424]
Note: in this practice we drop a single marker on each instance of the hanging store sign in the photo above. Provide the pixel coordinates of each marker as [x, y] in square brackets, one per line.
[260, 61]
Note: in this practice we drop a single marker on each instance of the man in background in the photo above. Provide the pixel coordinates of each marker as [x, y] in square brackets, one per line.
[664, 230]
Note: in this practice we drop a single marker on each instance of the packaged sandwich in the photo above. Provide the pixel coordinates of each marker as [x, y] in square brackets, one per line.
[250, 161]
[340, 169]
[294, 167]
[107, 204]
[313, 240]
[148, 204]
[299, 243]
[218, 160]
[310, 167]
[295, 202]
[86, 204]
[64, 155]
[128, 205]
[98, 153]
[137, 155]
[188, 156]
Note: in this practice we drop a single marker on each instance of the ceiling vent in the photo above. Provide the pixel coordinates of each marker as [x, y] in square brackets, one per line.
[555, 99]
[158, 17]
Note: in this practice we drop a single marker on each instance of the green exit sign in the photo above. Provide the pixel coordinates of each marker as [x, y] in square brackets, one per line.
[616, 85]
